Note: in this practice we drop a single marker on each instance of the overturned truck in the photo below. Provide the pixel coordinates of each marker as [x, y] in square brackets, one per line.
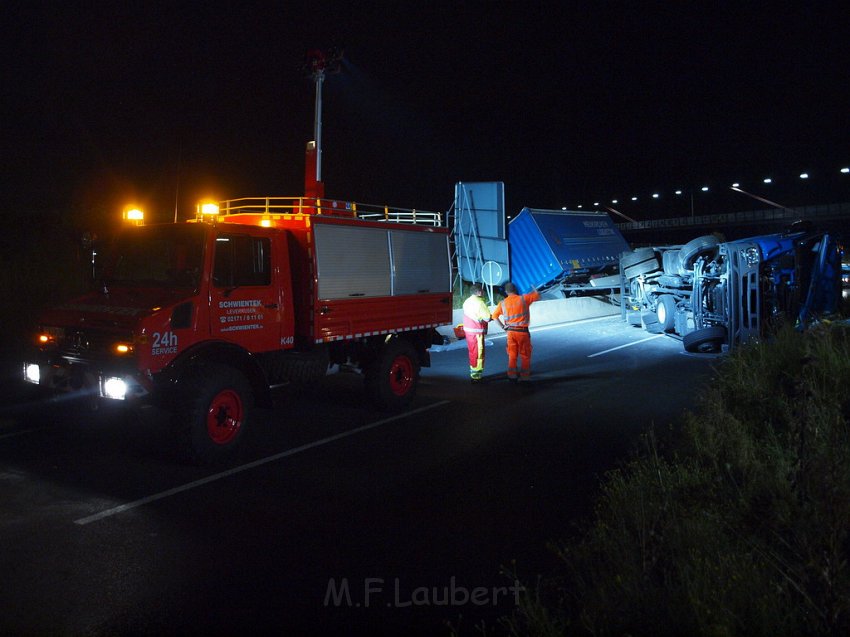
[716, 294]
[565, 252]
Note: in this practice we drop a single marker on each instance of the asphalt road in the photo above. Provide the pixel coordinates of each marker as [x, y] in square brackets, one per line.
[336, 519]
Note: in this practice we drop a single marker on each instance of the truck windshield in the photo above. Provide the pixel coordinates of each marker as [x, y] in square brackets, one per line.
[162, 256]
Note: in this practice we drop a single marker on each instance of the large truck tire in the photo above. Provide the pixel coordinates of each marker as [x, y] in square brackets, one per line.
[692, 249]
[665, 312]
[212, 413]
[671, 260]
[638, 255]
[391, 379]
[637, 262]
[708, 340]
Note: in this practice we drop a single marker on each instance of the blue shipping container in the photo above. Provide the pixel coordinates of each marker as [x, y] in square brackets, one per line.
[549, 246]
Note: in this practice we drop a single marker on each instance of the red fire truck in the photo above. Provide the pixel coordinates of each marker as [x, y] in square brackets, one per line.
[204, 317]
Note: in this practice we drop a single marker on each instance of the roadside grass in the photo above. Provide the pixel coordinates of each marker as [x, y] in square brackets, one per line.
[736, 523]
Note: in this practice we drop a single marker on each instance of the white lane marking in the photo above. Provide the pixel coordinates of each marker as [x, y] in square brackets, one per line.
[595, 319]
[251, 465]
[613, 349]
[554, 326]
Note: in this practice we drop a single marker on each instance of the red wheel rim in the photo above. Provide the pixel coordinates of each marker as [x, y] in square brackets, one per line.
[401, 375]
[224, 417]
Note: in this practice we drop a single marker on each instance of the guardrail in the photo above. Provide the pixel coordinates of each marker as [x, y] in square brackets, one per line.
[313, 206]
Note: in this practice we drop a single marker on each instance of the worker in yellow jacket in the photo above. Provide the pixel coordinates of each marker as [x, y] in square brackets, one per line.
[476, 315]
[512, 314]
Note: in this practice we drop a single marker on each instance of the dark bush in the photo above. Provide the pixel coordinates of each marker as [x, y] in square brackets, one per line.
[739, 526]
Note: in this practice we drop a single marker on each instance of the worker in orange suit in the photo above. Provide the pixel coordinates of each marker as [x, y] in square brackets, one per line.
[512, 314]
[476, 315]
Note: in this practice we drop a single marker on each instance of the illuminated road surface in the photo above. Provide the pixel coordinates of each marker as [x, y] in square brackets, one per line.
[336, 518]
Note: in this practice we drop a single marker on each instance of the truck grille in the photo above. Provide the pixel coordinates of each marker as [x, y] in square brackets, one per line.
[87, 343]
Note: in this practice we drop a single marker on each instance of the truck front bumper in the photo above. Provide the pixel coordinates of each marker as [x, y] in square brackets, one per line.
[67, 377]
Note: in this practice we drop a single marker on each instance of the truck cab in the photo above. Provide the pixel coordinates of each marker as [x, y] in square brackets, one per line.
[204, 317]
[717, 294]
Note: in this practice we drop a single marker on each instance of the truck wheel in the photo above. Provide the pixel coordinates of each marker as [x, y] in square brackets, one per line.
[705, 341]
[212, 416]
[665, 312]
[641, 261]
[392, 378]
[638, 255]
[671, 260]
[692, 249]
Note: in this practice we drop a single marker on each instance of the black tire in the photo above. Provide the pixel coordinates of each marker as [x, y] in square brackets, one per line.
[638, 255]
[212, 413]
[705, 341]
[671, 260]
[665, 312]
[391, 379]
[641, 261]
[692, 249]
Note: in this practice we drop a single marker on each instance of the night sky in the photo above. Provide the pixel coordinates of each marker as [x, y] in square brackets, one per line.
[566, 103]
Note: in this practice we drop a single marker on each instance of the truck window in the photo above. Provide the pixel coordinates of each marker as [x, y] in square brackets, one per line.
[241, 260]
[170, 256]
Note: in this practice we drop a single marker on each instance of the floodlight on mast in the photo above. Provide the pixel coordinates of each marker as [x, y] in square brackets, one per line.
[317, 64]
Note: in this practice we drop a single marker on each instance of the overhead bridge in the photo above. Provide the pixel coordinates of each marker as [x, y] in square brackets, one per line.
[835, 217]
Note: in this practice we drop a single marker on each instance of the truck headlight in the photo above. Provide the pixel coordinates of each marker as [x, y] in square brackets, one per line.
[115, 388]
[751, 255]
[32, 373]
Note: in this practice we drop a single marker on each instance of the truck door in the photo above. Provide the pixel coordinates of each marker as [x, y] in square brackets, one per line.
[245, 303]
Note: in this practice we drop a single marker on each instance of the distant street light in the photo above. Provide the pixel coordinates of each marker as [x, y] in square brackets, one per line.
[735, 186]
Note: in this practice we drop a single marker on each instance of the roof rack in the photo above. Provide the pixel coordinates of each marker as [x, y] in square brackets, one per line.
[314, 206]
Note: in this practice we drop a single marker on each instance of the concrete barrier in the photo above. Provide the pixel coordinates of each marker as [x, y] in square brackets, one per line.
[549, 311]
